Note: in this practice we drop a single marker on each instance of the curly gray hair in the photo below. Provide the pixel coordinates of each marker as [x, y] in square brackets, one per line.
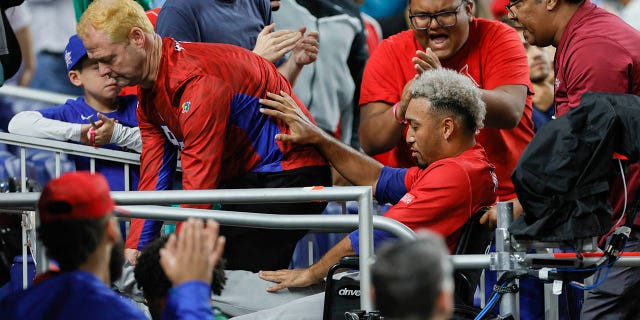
[451, 93]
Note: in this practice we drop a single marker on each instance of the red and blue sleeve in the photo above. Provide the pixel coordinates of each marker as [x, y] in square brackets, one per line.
[439, 199]
[390, 188]
[157, 167]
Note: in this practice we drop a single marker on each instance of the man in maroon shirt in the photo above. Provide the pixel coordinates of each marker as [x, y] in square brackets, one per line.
[596, 51]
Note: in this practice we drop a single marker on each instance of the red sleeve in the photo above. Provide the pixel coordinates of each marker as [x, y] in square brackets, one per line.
[382, 79]
[597, 65]
[439, 199]
[506, 59]
[203, 129]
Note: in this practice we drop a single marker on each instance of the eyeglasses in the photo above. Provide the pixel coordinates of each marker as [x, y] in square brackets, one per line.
[446, 19]
[511, 4]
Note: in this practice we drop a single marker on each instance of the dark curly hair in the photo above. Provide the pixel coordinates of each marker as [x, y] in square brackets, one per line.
[154, 282]
[70, 242]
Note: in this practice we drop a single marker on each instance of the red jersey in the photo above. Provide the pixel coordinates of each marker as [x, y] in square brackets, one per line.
[441, 197]
[204, 103]
[492, 56]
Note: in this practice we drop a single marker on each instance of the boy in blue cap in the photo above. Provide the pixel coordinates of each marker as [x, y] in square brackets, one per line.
[99, 118]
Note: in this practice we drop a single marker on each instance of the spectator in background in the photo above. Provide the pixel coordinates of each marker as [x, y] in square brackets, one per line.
[155, 284]
[79, 231]
[596, 52]
[185, 87]
[81, 5]
[52, 24]
[20, 19]
[446, 34]
[330, 88]
[243, 23]
[539, 71]
[630, 12]
[414, 280]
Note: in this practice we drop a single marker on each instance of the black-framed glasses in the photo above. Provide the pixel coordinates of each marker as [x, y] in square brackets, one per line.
[510, 5]
[446, 19]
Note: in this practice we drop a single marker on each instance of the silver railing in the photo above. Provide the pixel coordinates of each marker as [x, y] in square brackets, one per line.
[34, 95]
[326, 223]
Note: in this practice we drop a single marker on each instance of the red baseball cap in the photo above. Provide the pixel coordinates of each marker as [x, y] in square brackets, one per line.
[499, 9]
[75, 195]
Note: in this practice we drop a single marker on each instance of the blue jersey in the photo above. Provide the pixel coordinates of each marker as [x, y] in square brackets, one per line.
[81, 295]
[78, 111]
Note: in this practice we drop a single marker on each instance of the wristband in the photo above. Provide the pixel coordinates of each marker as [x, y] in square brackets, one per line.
[393, 109]
[92, 137]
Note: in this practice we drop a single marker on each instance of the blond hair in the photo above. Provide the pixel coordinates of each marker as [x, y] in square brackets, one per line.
[115, 17]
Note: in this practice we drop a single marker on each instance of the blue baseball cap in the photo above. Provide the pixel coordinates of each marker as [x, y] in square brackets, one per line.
[74, 52]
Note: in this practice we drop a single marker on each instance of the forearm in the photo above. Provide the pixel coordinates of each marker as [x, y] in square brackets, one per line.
[290, 70]
[33, 124]
[504, 108]
[320, 269]
[28, 58]
[356, 167]
[128, 137]
[379, 131]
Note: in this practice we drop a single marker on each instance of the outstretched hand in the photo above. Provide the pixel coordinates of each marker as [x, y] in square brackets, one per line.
[307, 48]
[194, 253]
[287, 278]
[283, 107]
[273, 45]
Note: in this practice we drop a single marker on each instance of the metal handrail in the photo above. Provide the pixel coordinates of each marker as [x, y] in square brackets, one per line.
[70, 148]
[362, 194]
[313, 223]
[34, 94]
[255, 195]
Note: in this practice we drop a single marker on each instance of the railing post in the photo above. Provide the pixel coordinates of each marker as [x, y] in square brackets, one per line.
[365, 202]
[58, 165]
[25, 279]
[509, 301]
[23, 169]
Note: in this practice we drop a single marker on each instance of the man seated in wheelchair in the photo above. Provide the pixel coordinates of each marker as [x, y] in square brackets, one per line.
[452, 181]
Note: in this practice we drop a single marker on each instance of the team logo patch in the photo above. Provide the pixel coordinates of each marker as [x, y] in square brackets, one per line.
[465, 71]
[186, 106]
[177, 47]
[67, 58]
[407, 198]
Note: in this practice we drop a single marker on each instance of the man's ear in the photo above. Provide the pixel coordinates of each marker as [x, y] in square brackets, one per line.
[448, 127]
[551, 4]
[469, 7]
[113, 230]
[137, 37]
[74, 78]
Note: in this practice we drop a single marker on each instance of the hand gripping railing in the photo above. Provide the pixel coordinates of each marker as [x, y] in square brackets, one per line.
[365, 220]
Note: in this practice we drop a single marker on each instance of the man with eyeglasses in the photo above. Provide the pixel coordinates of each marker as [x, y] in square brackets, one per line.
[596, 51]
[444, 33]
